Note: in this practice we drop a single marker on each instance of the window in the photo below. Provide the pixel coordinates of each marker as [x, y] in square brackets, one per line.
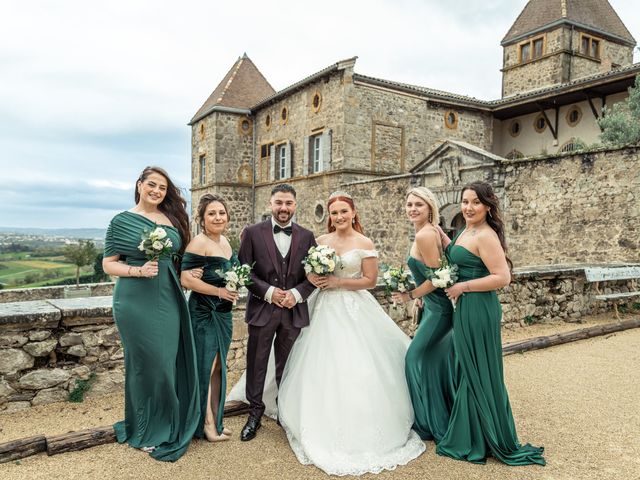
[316, 160]
[531, 49]
[515, 128]
[265, 150]
[451, 119]
[317, 152]
[540, 123]
[574, 115]
[572, 145]
[316, 102]
[590, 46]
[282, 162]
[203, 169]
[245, 126]
[267, 122]
[202, 131]
[284, 116]
[514, 154]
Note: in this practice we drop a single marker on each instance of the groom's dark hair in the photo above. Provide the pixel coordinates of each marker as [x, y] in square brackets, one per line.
[284, 188]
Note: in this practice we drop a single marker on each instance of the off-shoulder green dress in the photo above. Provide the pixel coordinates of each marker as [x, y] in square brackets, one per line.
[430, 360]
[212, 328]
[161, 383]
[481, 422]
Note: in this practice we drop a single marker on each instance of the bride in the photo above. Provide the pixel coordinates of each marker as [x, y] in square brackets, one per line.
[343, 400]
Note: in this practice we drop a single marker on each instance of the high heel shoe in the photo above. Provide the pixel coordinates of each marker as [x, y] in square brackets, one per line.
[212, 435]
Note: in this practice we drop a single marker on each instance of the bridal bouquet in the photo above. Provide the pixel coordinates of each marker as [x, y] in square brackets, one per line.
[445, 276]
[321, 260]
[237, 278]
[397, 280]
[155, 243]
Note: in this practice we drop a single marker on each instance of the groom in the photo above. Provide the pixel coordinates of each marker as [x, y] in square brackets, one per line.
[276, 304]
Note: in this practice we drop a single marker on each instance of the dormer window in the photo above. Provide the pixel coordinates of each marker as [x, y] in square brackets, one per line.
[590, 46]
[531, 49]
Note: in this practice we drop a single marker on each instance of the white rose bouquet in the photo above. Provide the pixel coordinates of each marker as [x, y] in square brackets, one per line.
[396, 280]
[237, 278]
[321, 260]
[445, 276]
[155, 243]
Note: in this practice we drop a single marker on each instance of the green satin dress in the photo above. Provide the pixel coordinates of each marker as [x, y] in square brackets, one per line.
[161, 383]
[212, 328]
[481, 423]
[430, 360]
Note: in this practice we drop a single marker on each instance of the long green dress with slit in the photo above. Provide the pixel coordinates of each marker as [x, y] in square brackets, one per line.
[161, 383]
[481, 422]
[430, 360]
[212, 328]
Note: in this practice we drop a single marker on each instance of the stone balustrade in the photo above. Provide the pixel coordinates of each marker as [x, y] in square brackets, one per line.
[47, 346]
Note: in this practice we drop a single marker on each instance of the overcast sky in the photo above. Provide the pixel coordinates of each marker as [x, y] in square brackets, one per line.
[92, 92]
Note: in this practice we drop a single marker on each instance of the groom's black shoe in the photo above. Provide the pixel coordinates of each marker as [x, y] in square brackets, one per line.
[250, 429]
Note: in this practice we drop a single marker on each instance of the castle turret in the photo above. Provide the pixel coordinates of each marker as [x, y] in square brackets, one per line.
[557, 41]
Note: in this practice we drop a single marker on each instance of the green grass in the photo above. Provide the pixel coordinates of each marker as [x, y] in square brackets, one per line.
[18, 270]
[82, 387]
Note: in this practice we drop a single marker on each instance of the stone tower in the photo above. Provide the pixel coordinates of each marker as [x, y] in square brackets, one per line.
[222, 139]
[557, 41]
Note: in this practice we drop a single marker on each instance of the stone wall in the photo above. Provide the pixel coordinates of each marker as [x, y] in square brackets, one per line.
[47, 293]
[46, 347]
[239, 201]
[574, 208]
[391, 132]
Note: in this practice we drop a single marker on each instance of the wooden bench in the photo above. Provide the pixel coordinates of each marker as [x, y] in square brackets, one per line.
[602, 274]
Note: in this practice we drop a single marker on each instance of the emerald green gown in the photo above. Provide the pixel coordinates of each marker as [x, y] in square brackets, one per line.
[481, 422]
[430, 360]
[161, 383]
[212, 329]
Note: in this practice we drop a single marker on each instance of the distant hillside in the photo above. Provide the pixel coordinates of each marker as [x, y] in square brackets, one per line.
[57, 232]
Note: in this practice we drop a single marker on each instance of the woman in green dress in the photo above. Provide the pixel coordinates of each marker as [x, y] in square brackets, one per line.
[150, 311]
[481, 422]
[210, 307]
[429, 359]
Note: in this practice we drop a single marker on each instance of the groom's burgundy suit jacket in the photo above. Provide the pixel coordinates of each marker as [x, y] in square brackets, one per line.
[258, 247]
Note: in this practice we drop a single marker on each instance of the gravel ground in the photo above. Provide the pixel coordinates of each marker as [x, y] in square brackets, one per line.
[579, 400]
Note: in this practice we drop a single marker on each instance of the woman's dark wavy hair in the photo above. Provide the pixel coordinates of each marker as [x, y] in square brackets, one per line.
[205, 201]
[174, 206]
[494, 216]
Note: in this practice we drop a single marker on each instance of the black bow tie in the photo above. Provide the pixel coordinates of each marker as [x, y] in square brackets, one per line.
[286, 230]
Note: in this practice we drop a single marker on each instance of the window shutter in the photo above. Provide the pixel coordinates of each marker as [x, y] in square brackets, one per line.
[305, 156]
[272, 163]
[325, 150]
[287, 160]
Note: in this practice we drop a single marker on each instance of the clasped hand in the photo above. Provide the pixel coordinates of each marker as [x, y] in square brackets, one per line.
[323, 281]
[149, 269]
[454, 291]
[283, 298]
[225, 294]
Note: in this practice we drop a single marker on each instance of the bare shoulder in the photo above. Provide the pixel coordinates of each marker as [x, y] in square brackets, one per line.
[364, 243]
[324, 239]
[197, 245]
[427, 234]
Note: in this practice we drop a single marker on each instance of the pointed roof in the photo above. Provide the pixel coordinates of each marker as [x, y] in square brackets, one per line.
[596, 15]
[242, 87]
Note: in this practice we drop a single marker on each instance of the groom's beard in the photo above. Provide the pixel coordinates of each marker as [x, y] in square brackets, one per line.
[284, 217]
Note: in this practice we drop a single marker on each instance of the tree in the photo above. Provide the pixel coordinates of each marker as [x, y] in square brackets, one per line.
[81, 254]
[98, 272]
[620, 124]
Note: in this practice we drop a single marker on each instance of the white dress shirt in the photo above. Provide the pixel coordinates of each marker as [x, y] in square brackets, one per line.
[283, 244]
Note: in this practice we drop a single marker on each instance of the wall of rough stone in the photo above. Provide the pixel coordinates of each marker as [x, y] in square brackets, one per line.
[610, 53]
[46, 347]
[574, 208]
[239, 201]
[303, 121]
[390, 132]
[48, 293]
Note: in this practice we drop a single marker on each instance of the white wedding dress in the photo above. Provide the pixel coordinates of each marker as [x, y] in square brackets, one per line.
[344, 402]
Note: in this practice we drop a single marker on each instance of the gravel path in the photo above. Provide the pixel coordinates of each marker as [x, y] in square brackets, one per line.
[579, 400]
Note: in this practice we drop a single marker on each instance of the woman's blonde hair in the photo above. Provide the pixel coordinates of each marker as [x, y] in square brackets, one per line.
[427, 195]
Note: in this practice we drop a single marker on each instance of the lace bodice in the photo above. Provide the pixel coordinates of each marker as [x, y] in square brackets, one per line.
[351, 263]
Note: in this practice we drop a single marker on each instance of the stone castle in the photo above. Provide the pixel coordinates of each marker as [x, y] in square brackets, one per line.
[564, 61]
